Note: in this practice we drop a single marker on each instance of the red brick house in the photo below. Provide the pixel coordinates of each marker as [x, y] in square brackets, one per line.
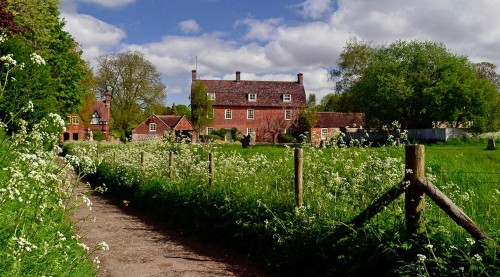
[330, 123]
[78, 129]
[156, 127]
[262, 109]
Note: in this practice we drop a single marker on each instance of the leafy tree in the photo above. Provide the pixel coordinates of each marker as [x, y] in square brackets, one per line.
[306, 121]
[43, 33]
[488, 70]
[418, 83]
[201, 107]
[311, 101]
[181, 110]
[136, 86]
[158, 109]
[351, 63]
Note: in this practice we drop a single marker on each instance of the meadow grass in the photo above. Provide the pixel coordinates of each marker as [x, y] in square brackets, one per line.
[252, 202]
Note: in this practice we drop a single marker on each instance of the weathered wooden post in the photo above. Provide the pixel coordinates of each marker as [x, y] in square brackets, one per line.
[170, 164]
[211, 169]
[142, 158]
[414, 196]
[299, 154]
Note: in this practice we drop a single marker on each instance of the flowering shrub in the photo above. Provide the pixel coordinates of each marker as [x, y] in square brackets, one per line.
[36, 236]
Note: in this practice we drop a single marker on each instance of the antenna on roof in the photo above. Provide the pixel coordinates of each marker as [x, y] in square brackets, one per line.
[196, 63]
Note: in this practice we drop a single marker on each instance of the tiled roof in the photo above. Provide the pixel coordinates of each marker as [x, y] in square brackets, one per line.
[337, 120]
[100, 108]
[170, 120]
[268, 93]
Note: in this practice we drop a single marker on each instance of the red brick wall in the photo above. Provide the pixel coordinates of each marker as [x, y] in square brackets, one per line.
[259, 123]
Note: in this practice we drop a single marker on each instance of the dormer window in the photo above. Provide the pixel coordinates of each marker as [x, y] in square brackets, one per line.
[95, 118]
[211, 96]
[252, 97]
[287, 97]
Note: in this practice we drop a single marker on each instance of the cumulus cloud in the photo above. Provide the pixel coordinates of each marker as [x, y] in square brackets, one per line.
[189, 26]
[95, 36]
[277, 48]
[262, 30]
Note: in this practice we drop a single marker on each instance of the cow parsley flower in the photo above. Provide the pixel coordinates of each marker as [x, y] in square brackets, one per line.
[37, 59]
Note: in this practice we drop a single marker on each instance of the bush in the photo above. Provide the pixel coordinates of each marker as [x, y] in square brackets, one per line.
[286, 138]
[209, 138]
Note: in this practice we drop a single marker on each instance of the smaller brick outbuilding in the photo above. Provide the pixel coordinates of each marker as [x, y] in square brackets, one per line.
[157, 127]
[330, 123]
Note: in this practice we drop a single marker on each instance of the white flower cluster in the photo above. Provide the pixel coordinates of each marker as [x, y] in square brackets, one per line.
[8, 60]
[37, 59]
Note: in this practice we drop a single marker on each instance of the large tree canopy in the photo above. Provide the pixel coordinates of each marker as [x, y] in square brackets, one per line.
[45, 67]
[418, 83]
[136, 87]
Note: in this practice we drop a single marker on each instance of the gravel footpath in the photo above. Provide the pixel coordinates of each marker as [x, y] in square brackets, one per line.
[137, 247]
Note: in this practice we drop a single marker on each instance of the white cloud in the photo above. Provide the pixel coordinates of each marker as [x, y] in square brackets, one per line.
[315, 9]
[95, 36]
[104, 3]
[262, 30]
[276, 48]
[189, 26]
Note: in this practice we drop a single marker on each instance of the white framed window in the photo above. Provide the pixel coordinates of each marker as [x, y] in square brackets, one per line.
[229, 114]
[209, 130]
[250, 114]
[288, 114]
[250, 131]
[252, 97]
[211, 96]
[287, 97]
[75, 120]
[152, 127]
[324, 133]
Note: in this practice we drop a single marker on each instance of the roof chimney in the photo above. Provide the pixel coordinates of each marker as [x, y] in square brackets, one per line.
[300, 79]
[237, 76]
[193, 75]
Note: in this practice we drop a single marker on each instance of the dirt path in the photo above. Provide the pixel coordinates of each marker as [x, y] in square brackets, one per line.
[139, 248]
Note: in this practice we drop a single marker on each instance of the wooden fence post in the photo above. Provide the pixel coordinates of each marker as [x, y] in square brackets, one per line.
[414, 196]
[299, 154]
[211, 169]
[170, 164]
[142, 158]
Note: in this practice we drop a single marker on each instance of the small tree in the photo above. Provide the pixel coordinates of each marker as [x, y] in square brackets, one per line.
[306, 121]
[201, 107]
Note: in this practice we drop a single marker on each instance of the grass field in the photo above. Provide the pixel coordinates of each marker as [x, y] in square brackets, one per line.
[252, 201]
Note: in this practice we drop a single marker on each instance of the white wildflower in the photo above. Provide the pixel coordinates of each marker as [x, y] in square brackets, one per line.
[421, 258]
[37, 59]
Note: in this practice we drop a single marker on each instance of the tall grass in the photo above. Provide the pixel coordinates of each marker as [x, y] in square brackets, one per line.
[252, 203]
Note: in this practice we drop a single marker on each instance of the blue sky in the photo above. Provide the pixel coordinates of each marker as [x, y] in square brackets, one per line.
[272, 39]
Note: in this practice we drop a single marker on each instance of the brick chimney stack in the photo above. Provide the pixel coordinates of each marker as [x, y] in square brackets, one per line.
[300, 79]
[193, 75]
[238, 76]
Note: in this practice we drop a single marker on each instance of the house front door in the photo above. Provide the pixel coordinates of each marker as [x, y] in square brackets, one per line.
[228, 135]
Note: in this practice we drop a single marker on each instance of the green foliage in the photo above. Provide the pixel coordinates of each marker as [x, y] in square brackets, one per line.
[45, 35]
[36, 235]
[98, 136]
[307, 120]
[251, 203]
[201, 107]
[418, 83]
[136, 87]
[286, 138]
[181, 110]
